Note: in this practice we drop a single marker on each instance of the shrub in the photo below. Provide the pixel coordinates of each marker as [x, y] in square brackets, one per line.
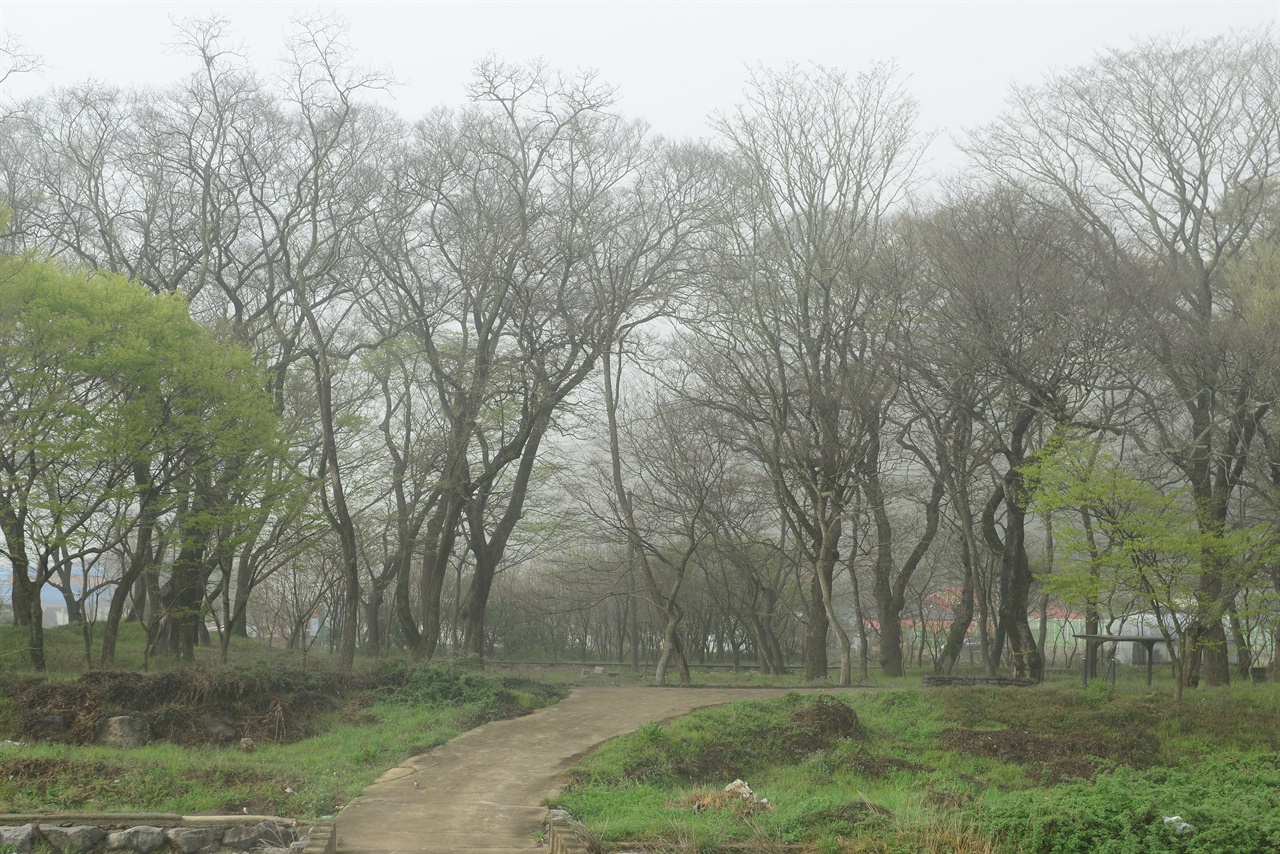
[1233, 804]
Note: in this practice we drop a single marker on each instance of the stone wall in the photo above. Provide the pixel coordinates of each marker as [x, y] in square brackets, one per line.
[564, 835]
[89, 833]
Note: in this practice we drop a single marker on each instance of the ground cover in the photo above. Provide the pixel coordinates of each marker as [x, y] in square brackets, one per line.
[319, 736]
[1053, 769]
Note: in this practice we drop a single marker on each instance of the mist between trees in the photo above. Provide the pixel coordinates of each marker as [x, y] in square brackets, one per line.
[520, 379]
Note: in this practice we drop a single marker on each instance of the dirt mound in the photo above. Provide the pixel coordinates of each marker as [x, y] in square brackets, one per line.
[827, 719]
[876, 767]
[190, 707]
[1081, 755]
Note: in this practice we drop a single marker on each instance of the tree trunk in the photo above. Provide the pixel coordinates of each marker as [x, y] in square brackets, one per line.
[890, 589]
[26, 593]
[35, 632]
[962, 617]
[815, 639]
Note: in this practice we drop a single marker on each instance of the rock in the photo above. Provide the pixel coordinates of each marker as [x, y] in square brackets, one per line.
[247, 745]
[72, 840]
[245, 836]
[195, 840]
[740, 789]
[20, 839]
[143, 838]
[123, 729]
[218, 727]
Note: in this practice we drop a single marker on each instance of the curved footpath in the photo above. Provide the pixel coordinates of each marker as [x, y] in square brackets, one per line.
[484, 790]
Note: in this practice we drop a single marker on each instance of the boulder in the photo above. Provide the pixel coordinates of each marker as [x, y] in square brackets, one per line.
[246, 836]
[123, 729]
[218, 727]
[72, 840]
[21, 839]
[195, 840]
[143, 838]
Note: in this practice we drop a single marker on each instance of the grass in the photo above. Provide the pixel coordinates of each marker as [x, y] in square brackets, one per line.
[308, 779]
[64, 651]
[392, 713]
[1054, 769]
[899, 770]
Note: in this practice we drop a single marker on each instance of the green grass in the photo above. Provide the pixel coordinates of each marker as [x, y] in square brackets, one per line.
[323, 772]
[64, 651]
[980, 769]
[401, 711]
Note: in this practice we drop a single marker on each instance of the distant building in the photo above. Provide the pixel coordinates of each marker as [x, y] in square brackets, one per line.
[55, 615]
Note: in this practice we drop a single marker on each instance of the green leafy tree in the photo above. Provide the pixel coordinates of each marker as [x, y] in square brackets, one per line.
[1124, 537]
[116, 408]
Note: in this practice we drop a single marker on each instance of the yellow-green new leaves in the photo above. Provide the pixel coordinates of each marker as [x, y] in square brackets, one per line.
[106, 388]
[99, 363]
[1125, 539]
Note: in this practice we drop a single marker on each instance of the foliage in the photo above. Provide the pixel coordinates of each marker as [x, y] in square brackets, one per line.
[1123, 537]
[117, 406]
[485, 698]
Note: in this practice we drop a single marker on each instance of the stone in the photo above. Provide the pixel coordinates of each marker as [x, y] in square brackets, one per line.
[245, 836]
[195, 840]
[72, 840]
[740, 789]
[123, 729]
[218, 727]
[21, 839]
[143, 838]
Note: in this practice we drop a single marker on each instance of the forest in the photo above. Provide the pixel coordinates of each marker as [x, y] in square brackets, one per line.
[522, 379]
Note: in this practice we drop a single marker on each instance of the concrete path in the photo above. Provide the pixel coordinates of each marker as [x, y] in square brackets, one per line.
[483, 791]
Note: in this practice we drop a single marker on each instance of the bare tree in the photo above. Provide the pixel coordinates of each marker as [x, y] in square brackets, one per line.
[1169, 152]
[784, 346]
[538, 225]
[1020, 309]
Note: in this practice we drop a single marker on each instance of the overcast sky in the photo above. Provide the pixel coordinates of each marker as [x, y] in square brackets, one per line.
[673, 62]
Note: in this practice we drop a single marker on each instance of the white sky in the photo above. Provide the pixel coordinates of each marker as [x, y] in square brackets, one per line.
[674, 62]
